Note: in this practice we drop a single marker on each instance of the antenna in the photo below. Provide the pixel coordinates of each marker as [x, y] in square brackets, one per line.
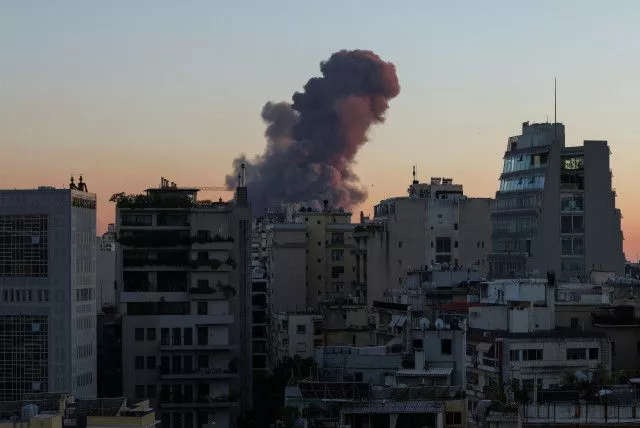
[555, 100]
[414, 174]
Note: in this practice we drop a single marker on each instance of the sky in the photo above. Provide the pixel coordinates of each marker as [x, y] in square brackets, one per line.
[125, 92]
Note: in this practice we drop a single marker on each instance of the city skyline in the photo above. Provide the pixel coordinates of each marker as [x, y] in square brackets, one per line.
[143, 95]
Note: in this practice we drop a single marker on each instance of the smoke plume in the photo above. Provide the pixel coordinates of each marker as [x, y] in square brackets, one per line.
[312, 142]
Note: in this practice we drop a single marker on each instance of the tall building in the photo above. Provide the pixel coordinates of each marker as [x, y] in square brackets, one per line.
[555, 208]
[436, 224]
[312, 260]
[185, 298]
[106, 268]
[47, 302]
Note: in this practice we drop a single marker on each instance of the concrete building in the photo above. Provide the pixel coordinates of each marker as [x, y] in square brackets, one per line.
[64, 411]
[106, 268]
[312, 260]
[185, 276]
[296, 334]
[435, 225]
[513, 338]
[260, 321]
[48, 291]
[555, 208]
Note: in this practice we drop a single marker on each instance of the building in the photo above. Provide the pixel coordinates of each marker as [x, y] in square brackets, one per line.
[185, 280]
[514, 343]
[65, 411]
[106, 268]
[47, 297]
[311, 260]
[297, 333]
[260, 321]
[434, 225]
[109, 353]
[555, 208]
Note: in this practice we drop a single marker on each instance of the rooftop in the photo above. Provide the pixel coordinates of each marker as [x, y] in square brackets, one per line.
[395, 407]
[557, 333]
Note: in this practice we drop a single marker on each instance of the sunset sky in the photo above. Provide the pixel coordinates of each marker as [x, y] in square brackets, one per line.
[125, 92]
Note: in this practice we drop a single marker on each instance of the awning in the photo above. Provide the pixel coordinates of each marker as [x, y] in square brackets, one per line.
[397, 321]
[484, 347]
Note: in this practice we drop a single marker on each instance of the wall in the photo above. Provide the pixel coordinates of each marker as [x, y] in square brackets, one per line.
[475, 232]
[287, 267]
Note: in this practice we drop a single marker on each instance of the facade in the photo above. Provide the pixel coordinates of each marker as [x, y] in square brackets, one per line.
[296, 334]
[555, 208]
[185, 277]
[311, 260]
[106, 268]
[260, 321]
[435, 225]
[47, 291]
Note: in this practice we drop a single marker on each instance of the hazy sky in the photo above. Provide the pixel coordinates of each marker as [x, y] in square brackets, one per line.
[127, 91]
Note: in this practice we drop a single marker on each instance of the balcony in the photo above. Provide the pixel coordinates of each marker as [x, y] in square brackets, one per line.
[154, 238]
[218, 401]
[198, 374]
[190, 348]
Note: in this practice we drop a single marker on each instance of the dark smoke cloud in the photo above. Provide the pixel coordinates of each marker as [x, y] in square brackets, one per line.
[312, 143]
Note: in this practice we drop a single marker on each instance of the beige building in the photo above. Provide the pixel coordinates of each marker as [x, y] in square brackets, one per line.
[312, 260]
[435, 224]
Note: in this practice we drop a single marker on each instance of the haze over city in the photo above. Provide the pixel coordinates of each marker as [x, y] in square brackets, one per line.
[127, 92]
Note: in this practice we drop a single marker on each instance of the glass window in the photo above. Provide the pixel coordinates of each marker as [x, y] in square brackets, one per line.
[571, 203]
[572, 246]
[151, 334]
[445, 346]
[139, 334]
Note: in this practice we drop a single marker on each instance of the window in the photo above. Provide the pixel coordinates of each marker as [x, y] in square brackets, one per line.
[399, 244]
[593, 353]
[139, 363]
[203, 256]
[151, 391]
[140, 391]
[514, 355]
[575, 323]
[151, 362]
[572, 246]
[357, 377]
[336, 271]
[203, 361]
[337, 255]
[176, 336]
[531, 354]
[576, 354]
[188, 336]
[613, 347]
[203, 308]
[203, 283]
[571, 203]
[571, 224]
[337, 238]
[445, 346]
[453, 418]
[204, 236]
[443, 245]
[151, 334]
[24, 248]
[164, 336]
[139, 334]
[301, 329]
[203, 336]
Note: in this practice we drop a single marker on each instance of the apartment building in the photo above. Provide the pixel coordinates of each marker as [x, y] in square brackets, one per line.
[312, 260]
[185, 280]
[106, 268]
[296, 334]
[434, 225]
[513, 340]
[48, 291]
[555, 208]
[260, 321]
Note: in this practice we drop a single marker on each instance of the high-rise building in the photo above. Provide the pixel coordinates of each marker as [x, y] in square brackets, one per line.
[106, 268]
[47, 298]
[555, 208]
[435, 225]
[311, 260]
[185, 298]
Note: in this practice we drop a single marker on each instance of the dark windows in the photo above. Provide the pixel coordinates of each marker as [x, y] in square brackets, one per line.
[576, 354]
[593, 353]
[301, 329]
[139, 334]
[139, 363]
[24, 250]
[572, 224]
[188, 336]
[164, 337]
[177, 336]
[151, 362]
[531, 354]
[151, 334]
[203, 308]
[443, 245]
[445, 346]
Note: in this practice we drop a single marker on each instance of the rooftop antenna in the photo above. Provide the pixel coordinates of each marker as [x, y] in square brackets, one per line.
[555, 100]
[414, 174]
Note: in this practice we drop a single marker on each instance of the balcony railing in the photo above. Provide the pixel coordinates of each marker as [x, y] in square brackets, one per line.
[198, 374]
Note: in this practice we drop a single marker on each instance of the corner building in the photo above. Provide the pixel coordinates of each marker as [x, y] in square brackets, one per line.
[47, 292]
[555, 208]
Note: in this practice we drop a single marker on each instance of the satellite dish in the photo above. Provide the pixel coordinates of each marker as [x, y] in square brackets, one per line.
[424, 323]
[439, 324]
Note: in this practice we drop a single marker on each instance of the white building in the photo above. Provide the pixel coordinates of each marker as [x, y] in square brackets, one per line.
[106, 268]
[513, 338]
[47, 298]
[296, 334]
[185, 292]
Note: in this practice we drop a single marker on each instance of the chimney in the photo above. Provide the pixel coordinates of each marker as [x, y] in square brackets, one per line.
[361, 217]
[326, 205]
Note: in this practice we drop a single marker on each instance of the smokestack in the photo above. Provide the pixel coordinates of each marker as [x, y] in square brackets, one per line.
[312, 143]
